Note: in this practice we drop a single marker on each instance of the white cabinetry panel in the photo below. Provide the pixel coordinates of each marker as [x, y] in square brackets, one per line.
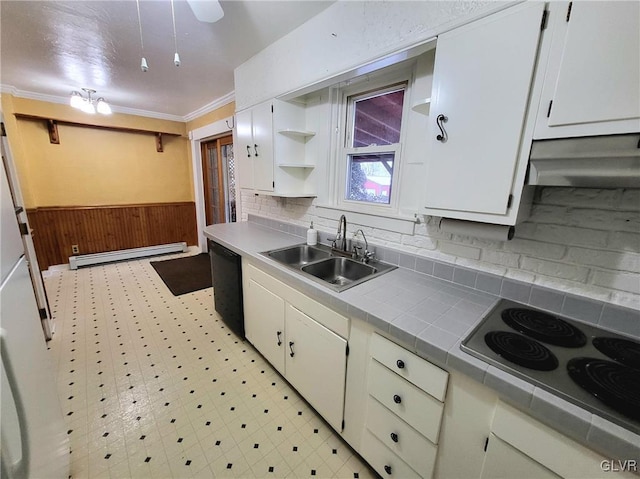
[482, 78]
[292, 332]
[593, 72]
[411, 404]
[502, 461]
[264, 322]
[254, 133]
[316, 364]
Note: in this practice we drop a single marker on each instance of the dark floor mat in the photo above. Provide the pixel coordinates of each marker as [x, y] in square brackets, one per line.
[185, 275]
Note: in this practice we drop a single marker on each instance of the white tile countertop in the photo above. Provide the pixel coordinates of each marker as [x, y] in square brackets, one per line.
[431, 316]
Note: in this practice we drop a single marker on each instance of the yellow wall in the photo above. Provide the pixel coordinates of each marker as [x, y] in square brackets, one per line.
[213, 116]
[92, 167]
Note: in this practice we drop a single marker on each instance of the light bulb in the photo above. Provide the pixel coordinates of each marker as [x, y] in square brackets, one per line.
[88, 107]
[176, 59]
[143, 64]
[76, 100]
[103, 107]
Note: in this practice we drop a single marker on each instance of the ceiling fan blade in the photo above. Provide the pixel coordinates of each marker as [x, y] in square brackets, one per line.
[208, 11]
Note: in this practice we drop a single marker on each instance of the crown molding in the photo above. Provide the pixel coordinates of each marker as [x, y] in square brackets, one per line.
[228, 98]
[209, 107]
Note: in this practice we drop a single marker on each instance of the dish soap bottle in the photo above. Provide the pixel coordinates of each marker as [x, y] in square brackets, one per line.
[312, 236]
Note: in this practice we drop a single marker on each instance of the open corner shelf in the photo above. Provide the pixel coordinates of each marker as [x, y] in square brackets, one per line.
[422, 106]
[295, 165]
[297, 133]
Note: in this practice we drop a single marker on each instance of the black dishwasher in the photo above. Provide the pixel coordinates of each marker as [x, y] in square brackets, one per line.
[226, 271]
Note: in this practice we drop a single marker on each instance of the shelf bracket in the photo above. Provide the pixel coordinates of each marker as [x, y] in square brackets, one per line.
[52, 128]
[159, 147]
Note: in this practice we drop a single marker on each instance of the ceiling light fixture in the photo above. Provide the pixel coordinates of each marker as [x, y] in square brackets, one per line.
[208, 11]
[143, 64]
[88, 104]
[176, 57]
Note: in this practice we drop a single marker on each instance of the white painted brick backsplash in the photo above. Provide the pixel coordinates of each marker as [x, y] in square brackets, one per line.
[425, 242]
[623, 241]
[627, 300]
[455, 249]
[535, 248]
[606, 259]
[605, 220]
[482, 266]
[520, 275]
[569, 235]
[510, 260]
[555, 270]
[549, 214]
[594, 292]
[581, 241]
[629, 282]
[582, 197]
[630, 200]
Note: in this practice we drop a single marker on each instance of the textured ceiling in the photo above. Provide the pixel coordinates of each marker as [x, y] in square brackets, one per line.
[52, 48]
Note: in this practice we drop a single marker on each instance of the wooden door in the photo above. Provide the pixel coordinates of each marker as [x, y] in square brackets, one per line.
[214, 172]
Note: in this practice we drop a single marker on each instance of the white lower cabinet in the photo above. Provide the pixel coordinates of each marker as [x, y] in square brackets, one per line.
[502, 460]
[316, 364]
[264, 322]
[404, 411]
[292, 332]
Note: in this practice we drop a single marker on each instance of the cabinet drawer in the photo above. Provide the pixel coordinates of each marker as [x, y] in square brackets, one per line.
[423, 374]
[417, 451]
[383, 460]
[404, 399]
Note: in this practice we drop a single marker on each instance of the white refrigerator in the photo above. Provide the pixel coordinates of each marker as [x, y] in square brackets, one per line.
[34, 442]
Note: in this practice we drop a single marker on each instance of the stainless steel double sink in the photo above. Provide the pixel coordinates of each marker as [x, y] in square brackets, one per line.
[321, 265]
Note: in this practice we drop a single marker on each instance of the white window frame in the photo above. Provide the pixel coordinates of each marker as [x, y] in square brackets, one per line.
[348, 94]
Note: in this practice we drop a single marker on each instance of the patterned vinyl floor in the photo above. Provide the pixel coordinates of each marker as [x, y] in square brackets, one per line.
[155, 386]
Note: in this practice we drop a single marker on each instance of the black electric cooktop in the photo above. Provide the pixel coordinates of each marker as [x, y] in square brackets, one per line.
[589, 366]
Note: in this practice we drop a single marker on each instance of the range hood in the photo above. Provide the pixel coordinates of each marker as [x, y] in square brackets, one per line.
[611, 161]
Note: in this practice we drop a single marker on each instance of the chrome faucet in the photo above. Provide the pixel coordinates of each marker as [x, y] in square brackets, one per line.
[339, 243]
[342, 233]
[366, 255]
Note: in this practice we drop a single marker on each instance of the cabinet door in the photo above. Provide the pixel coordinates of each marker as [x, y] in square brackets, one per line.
[505, 462]
[593, 75]
[244, 156]
[316, 361]
[264, 323]
[262, 147]
[482, 78]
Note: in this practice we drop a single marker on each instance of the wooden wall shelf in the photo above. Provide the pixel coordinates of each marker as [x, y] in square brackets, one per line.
[52, 128]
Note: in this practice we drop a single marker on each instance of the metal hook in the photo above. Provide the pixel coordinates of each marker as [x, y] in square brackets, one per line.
[233, 120]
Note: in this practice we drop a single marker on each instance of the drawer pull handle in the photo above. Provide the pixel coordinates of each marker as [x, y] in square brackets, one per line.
[387, 469]
[278, 333]
[248, 151]
[400, 364]
[397, 399]
[394, 437]
[291, 348]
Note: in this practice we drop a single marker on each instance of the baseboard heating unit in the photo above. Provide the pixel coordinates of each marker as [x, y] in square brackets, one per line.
[124, 254]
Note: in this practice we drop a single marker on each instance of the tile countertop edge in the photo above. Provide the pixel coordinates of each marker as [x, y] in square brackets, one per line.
[440, 346]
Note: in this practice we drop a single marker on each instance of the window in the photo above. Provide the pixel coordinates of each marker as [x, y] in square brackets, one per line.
[372, 139]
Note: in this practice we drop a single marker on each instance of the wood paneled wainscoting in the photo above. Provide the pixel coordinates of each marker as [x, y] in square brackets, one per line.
[98, 229]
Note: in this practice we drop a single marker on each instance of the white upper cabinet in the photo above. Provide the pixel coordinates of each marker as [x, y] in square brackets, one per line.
[482, 79]
[272, 154]
[592, 80]
[254, 134]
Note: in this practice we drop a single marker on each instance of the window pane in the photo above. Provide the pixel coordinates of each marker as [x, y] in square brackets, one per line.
[378, 119]
[369, 177]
